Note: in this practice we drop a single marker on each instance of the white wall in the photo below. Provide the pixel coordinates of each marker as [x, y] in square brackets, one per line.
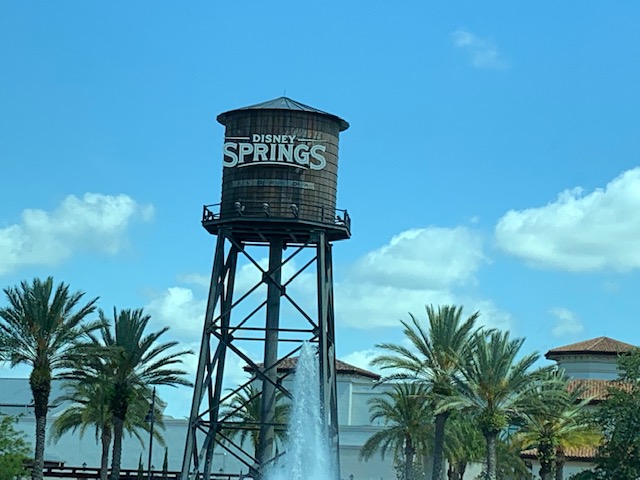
[589, 367]
[353, 394]
[570, 468]
[74, 450]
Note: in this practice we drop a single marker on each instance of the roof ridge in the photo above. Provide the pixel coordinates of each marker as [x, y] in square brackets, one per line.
[290, 363]
[602, 345]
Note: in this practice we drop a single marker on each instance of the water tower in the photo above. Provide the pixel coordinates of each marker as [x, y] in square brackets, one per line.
[280, 171]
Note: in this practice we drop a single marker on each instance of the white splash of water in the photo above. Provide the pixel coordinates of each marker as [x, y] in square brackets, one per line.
[308, 454]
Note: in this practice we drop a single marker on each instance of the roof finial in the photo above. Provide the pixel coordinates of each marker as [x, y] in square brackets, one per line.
[285, 93]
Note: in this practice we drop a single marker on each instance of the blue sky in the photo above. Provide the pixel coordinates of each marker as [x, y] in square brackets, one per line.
[493, 158]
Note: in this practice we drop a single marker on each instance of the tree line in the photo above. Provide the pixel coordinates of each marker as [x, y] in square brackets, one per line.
[457, 392]
[468, 394]
[109, 365]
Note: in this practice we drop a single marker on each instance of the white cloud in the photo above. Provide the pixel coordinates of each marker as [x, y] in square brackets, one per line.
[423, 259]
[369, 306]
[94, 222]
[366, 305]
[579, 232]
[416, 268]
[483, 53]
[490, 314]
[566, 322]
[362, 359]
[181, 310]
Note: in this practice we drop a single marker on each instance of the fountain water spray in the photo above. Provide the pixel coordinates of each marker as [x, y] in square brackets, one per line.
[308, 454]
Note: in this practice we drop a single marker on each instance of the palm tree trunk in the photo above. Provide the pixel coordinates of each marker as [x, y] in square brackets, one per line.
[116, 457]
[545, 455]
[408, 458]
[438, 446]
[38, 461]
[560, 458]
[104, 459]
[462, 467]
[40, 381]
[456, 470]
[545, 470]
[491, 455]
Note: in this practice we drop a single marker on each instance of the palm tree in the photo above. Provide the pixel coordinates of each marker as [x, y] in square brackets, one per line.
[244, 408]
[134, 362]
[140, 475]
[40, 327]
[580, 435]
[406, 432]
[509, 465]
[435, 360]
[90, 408]
[165, 465]
[558, 423]
[464, 444]
[496, 387]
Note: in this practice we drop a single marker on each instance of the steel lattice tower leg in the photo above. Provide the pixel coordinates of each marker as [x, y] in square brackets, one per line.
[211, 367]
[224, 328]
[328, 389]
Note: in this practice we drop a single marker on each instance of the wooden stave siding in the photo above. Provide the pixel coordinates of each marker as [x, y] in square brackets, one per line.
[316, 205]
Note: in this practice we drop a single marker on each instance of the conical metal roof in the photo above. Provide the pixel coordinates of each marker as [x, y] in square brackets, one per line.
[284, 103]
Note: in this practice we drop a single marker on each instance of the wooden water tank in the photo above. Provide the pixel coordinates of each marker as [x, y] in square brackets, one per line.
[280, 163]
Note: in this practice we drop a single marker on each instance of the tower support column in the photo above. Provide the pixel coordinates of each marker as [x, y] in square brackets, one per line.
[326, 343]
[275, 290]
[210, 371]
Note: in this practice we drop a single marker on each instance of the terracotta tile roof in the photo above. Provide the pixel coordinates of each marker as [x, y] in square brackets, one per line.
[347, 368]
[596, 389]
[289, 364]
[595, 346]
[580, 453]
